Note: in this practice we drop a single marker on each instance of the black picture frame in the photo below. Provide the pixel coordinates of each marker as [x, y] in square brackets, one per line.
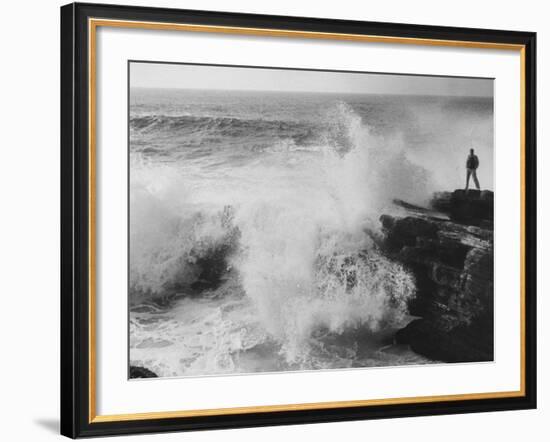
[75, 220]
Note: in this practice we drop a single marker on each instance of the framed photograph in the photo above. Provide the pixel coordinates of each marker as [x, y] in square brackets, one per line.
[274, 220]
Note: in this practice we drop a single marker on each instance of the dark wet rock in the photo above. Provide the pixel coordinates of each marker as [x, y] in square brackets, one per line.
[205, 268]
[472, 207]
[460, 344]
[452, 262]
[401, 232]
[141, 372]
[213, 267]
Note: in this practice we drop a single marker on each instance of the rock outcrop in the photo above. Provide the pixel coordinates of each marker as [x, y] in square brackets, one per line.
[449, 250]
[472, 207]
[141, 372]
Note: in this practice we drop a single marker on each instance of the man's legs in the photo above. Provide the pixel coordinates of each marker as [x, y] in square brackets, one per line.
[468, 173]
[475, 179]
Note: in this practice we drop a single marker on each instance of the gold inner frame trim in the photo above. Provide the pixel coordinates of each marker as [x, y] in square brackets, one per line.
[93, 24]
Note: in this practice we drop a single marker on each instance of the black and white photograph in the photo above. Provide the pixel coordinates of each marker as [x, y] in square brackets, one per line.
[289, 220]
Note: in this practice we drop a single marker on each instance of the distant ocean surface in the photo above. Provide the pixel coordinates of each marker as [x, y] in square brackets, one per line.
[254, 217]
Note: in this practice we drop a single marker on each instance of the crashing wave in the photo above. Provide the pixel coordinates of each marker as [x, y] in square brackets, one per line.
[286, 230]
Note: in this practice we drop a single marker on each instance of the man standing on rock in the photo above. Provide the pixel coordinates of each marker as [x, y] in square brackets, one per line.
[472, 163]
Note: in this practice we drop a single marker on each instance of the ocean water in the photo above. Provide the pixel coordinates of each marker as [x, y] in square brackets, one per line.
[254, 223]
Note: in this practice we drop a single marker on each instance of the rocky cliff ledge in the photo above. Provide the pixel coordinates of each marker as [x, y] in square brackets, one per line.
[449, 249]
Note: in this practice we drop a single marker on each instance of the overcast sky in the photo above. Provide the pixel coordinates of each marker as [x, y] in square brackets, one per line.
[182, 76]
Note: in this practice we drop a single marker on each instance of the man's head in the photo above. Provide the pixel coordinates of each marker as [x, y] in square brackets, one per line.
[471, 151]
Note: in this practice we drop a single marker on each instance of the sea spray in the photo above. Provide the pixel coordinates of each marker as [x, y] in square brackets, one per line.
[297, 241]
[172, 244]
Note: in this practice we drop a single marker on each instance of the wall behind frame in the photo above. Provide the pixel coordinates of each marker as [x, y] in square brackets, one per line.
[29, 227]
